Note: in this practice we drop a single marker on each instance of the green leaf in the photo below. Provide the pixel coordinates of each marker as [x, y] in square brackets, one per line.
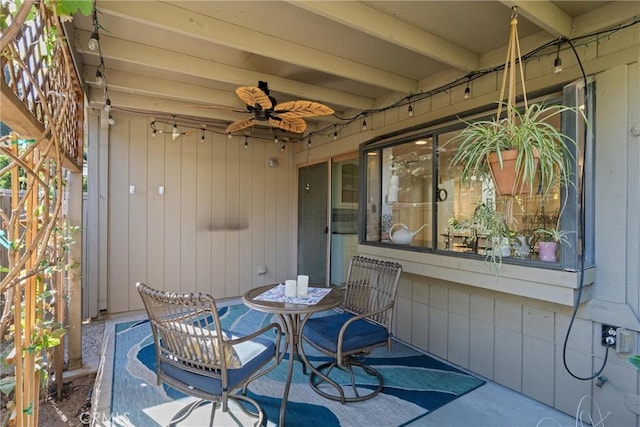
[29, 409]
[7, 384]
[69, 7]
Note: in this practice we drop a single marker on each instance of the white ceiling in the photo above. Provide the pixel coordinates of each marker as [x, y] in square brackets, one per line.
[177, 57]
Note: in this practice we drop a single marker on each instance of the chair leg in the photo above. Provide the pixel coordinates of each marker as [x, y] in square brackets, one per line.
[260, 412]
[318, 377]
[214, 406]
[186, 411]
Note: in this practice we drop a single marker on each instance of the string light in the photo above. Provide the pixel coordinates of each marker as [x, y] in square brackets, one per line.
[229, 136]
[94, 42]
[202, 137]
[364, 123]
[557, 63]
[99, 78]
[467, 91]
[246, 142]
[153, 133]
[111, 120]
[282, 148]
[410, 109]
[335, 132]
[107, 105]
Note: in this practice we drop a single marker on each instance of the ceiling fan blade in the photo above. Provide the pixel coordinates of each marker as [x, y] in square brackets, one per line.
[292, 124]
[218, 107]
[302, 108]
[241, 124]
[254, 97]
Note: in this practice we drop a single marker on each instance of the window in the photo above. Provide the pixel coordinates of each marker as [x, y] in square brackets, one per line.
[415, 200]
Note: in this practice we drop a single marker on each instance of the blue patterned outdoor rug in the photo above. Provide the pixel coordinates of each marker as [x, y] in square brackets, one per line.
[414, 383]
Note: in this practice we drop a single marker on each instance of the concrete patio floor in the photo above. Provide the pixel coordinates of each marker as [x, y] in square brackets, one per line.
[491, 405]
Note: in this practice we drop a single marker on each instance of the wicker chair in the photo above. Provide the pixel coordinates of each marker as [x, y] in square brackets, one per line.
[363, 324]
[195, 356]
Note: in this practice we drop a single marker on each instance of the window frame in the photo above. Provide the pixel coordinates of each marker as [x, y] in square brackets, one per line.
[572, 95]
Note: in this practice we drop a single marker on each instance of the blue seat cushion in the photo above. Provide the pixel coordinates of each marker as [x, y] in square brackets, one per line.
[323, 331]
[235, 376]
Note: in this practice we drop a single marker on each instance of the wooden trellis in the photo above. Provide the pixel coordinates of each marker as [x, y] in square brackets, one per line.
[43, 103]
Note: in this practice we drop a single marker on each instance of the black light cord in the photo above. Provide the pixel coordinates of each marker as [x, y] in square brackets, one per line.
[582, 243]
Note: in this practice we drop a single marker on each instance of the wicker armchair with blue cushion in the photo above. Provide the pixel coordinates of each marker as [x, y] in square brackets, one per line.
[362, 324]
[195, 356]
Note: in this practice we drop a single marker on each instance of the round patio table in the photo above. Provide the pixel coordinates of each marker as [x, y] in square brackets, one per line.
[292, 315]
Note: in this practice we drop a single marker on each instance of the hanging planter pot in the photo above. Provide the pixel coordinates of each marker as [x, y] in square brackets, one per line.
[507, 177]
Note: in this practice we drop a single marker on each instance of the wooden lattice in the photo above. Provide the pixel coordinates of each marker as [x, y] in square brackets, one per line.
[38, 70]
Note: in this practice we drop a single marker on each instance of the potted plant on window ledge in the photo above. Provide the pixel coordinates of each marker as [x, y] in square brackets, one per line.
[548, 243]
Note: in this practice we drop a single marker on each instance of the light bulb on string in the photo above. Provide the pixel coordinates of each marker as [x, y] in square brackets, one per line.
[202, 137]
[467, 92]
[364, 123]
[174, 132]
[99, 78]
[229, 136]
[246, 143]
[557, 63]
[153, 133]
[282, 148]
[335, 132]
[111, 120]
[107, 105]
[410, 109]
[94, 43]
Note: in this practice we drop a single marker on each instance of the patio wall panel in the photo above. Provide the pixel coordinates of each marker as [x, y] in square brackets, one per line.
[222, 213]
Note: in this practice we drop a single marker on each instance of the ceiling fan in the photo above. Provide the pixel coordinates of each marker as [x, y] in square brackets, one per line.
[286, 115]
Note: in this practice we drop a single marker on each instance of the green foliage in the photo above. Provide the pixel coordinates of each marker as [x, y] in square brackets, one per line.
[553, 235]
[531, 134]
[7, 385]
[69, 7]
[5, 180]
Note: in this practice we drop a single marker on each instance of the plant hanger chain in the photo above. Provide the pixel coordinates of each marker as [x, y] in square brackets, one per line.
[510, 69]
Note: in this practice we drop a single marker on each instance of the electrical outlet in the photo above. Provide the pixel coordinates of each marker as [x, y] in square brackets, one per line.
[609, 334]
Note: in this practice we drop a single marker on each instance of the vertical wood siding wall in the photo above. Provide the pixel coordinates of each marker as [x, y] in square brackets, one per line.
[223, 212]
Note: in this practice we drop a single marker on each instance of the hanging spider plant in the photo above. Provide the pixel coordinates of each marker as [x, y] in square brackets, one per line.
[542, 160]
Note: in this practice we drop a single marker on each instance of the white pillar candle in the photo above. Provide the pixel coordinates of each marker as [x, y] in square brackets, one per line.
[290, 288]
[303, 285]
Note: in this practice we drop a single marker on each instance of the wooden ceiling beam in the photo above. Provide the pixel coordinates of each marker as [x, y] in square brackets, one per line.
[545, 15]
[175, 62]
[182, 21]
[385, 27]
